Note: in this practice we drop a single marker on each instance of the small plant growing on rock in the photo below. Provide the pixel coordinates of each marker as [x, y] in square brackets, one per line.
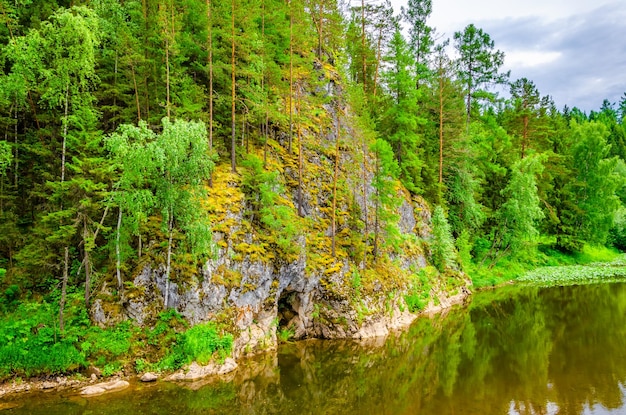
[285, 334]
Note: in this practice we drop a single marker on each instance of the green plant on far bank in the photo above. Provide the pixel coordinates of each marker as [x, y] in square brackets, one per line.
[418, 295]
[32, 343]
[577, 274]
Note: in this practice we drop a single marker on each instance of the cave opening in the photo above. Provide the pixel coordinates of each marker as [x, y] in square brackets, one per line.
[286, 310]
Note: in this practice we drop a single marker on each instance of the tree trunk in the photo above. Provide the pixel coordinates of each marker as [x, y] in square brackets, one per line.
[232, 92]
[132, 71]
[118, 259]
[115, 113]
[320, 31]
[440, 130]
[145, 81]
[376, 214]
[378, 58]
[469, 98]
[17, 158]
[335, 178]
[264, 122]
[168, 266]
[290, 78]
[167, 70]
[365, 213]
[65, 127]
[86, 249]
[66, 261]
[363, 45]
[300, 155]
[524, 135]
[210, 58]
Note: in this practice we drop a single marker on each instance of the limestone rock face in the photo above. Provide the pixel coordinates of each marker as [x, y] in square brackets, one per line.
[263, 293]
[275, 296]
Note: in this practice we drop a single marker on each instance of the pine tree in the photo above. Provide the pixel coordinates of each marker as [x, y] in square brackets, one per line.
[401, 120]
[421, 39]
[479, 62]
[442, 246]
[385, 198]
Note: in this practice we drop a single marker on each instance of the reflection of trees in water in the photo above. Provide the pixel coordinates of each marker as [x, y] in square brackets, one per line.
[516, 349]
[589, 362]
[513, 350]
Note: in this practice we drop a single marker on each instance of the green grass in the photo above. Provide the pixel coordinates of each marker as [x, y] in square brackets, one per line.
[201, 343]
[31, 343]
[577, 274]
[513, 267]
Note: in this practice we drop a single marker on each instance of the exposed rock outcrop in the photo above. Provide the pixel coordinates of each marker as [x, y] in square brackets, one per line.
[260, 290]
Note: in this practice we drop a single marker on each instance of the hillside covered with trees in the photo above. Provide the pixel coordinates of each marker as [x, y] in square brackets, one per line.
[344, 143]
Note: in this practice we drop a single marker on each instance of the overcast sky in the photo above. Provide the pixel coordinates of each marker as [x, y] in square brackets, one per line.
[573, 50]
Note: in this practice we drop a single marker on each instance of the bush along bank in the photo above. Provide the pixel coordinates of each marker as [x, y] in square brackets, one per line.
[33, 346]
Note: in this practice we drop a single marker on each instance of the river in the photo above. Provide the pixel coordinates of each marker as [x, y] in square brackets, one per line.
[515, 350]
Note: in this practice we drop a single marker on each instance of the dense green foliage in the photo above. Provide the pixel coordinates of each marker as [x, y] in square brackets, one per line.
[119, 114]
[33, 345]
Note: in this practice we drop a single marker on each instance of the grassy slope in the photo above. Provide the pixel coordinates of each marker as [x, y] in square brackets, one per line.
[544, 264]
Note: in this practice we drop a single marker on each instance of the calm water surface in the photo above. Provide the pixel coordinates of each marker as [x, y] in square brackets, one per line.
[512, 351]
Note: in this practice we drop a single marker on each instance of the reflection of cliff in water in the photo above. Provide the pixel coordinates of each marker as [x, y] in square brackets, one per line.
[514, 350]
[524, 350]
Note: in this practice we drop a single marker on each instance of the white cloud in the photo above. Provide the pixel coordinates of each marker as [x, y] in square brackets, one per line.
[574, 50]
[530, 58]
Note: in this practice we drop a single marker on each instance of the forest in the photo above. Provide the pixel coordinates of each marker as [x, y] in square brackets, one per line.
[123, 119]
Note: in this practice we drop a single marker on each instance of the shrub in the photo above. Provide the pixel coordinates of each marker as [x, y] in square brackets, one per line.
[31, 345]
[200, 343]
[109, 343]
[418, 295]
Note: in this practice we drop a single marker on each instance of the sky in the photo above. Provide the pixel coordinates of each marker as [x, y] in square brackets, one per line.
[573, 50]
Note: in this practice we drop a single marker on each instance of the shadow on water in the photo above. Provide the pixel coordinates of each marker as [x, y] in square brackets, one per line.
[517, 350]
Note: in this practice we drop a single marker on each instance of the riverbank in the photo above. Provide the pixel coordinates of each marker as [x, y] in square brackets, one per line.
[74, 383]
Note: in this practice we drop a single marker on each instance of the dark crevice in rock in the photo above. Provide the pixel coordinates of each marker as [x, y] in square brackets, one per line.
[287, 310]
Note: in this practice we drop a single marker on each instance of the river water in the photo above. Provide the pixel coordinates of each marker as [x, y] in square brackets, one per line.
[515, 350]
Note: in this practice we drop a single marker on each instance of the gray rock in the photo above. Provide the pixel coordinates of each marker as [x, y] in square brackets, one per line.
[148, 377]
[196, 371]
[107, 387]
[93, 371]
[48, 385]
[97, 313]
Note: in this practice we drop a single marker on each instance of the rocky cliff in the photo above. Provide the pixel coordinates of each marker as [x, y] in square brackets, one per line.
[278, 277]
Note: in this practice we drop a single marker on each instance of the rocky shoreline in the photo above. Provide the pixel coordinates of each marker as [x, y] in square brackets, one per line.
[95, 384]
